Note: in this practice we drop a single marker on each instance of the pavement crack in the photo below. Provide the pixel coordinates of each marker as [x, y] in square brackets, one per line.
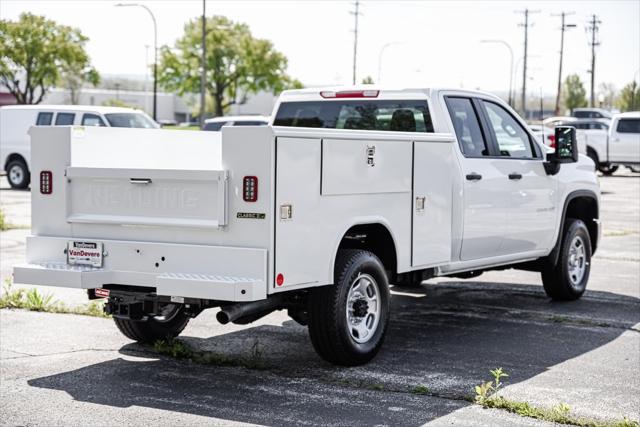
[82, 350]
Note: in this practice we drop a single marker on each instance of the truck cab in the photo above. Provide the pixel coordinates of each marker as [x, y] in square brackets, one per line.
[346, 191]
[612, 143]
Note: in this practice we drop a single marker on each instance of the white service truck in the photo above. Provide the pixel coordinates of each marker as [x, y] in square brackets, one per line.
[619, 145]
[346, 192]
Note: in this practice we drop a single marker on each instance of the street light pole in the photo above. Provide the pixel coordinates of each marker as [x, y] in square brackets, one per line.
[155, 54]
[508, 46]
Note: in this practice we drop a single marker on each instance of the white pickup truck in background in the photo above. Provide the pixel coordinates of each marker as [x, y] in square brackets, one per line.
[613, 144]
[347, 191]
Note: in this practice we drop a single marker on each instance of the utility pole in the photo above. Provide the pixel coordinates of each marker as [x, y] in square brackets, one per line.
[526, 25]
[593, 28]
[203, 71]
[563, 28]
[355, 39]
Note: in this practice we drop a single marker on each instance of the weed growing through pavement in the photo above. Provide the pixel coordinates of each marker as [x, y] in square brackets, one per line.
[487, 397]
[178, 349]
[33, 300]
[420, 389]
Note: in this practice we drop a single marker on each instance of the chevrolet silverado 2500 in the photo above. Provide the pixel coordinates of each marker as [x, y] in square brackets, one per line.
[346, 191]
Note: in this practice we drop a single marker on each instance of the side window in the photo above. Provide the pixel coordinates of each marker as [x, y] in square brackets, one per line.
[89, 119]
[628, 126]
[63, 119]
[214, 126]
[44, 119]
[513, 140]
[467, 127]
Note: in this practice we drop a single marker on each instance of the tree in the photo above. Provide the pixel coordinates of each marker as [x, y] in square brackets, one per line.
[629, 99]
[607, 92]
[36, 52]
[237, 64]
[575, 95]
[74, 80]
[367, 80]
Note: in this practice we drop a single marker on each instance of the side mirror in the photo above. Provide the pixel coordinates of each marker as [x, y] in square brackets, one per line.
[566, 145]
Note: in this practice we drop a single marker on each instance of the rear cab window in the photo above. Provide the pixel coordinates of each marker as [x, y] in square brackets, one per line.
[64, 119]
[44, 119]
[379, 115]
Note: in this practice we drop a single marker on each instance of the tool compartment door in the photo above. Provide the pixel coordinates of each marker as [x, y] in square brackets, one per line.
[432, 203]
[298, 189]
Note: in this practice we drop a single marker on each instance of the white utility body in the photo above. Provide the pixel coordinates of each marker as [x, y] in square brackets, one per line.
[347, 190]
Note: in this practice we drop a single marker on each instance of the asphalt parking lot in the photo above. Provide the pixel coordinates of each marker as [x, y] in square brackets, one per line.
[444, 337]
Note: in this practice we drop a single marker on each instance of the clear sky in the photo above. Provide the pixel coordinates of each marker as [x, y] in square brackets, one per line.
[438, 42]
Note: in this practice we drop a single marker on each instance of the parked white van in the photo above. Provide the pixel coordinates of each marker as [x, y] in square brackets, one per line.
[15, 121]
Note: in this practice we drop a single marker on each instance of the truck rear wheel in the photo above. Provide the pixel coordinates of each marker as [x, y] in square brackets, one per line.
[18, 174]
[567, 280]
[607, 169]
[166, 325]
[348, 320]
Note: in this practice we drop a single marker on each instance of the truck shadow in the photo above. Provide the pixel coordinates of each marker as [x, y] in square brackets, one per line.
[444, 336]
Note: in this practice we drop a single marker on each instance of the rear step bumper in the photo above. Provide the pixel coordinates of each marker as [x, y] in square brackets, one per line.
[191, 271]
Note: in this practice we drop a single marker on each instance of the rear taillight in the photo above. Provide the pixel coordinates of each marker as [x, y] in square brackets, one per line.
[46, 182]
[552, 140]
[250, 188]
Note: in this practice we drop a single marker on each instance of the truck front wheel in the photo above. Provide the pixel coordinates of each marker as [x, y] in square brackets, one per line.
[567, 280]
[166, 325]
[348, 320]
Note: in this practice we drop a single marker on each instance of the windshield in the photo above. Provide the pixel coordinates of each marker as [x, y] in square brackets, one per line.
[130, 120]
[385, 115]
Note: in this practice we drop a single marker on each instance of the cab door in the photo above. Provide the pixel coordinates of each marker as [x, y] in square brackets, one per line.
[531, 194]
[624, 145]
[485, 191]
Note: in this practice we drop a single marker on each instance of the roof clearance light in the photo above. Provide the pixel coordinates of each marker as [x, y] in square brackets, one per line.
[350, 94]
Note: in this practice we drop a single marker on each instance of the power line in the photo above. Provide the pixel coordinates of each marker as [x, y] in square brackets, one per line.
[526, 26]
[563, 28]
[356, 14]
[593, 28]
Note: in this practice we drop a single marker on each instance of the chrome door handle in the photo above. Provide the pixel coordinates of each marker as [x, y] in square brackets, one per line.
[143, 181]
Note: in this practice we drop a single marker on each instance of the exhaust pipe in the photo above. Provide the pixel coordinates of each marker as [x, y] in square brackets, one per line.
[247, 312]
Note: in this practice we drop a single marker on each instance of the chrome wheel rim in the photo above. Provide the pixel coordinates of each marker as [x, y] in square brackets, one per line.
[363, 308]
[577, 260]
[16, 174]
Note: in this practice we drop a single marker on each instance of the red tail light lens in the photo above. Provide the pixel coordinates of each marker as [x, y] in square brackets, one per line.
[350, 94]
[46, 182]
[250, 188]
[552, 140]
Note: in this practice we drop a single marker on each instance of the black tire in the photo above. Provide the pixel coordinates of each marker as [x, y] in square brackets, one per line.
[18, 174]
[154, 328]
[607, 169]
[329, 327]
[560, 282]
